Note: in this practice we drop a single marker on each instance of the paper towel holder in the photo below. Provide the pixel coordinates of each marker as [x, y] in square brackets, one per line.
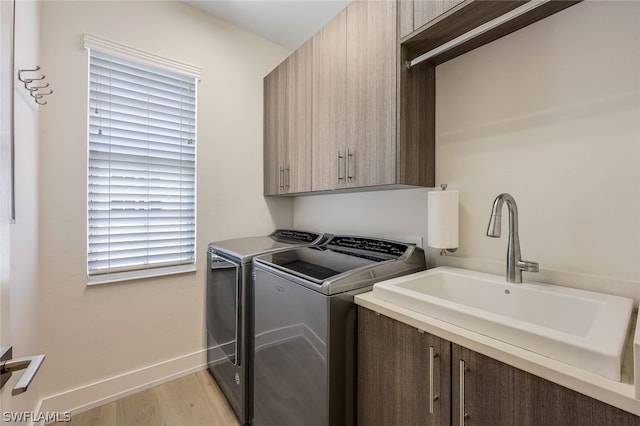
[443, 252]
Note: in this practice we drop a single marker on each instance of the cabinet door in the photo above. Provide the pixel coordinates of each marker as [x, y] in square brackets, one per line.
[273, 131]
[394, 382]
[405, 13]
[371, 93]
[482, 389]
[296, 150]
[329, 104]
[495, 393]
[450, 4]
[425, 11]
[540, 402]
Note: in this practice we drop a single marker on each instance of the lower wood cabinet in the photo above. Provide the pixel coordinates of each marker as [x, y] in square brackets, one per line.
[397, 380]
[481, 389]
[494, 393]
[403, 375]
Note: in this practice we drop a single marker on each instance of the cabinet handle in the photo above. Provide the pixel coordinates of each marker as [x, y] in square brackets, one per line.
[281, 178]
[287, 179]
[349, 155]
[432, 398]
[339, 157]
[462, 414]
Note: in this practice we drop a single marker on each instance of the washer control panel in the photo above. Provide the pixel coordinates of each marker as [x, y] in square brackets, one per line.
[386, 247]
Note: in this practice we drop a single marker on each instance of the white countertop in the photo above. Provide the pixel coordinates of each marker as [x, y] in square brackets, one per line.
[619, 394]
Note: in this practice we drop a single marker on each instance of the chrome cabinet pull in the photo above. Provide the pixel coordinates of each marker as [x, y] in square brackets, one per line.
[340, 156]
[462, 414]
[350, 154]
[432, 397]
[31, 365]
[281, 178]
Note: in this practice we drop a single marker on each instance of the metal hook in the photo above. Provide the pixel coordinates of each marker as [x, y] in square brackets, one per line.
[41, 94]
[35, 88]
[29, 80]
[21, 71]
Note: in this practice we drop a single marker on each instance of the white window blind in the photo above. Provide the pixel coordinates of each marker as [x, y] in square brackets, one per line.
[142, 163]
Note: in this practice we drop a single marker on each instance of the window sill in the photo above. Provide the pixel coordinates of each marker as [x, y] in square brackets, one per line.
[140, 275]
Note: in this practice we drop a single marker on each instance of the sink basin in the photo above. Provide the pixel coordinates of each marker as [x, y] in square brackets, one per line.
[581, 328]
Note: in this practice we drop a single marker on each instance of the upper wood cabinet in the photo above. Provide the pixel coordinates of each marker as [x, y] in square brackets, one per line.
[354, 98]
[298, 120]
[427, 24]
[355, 137]
[287, 125]
[371, 93]
[333, 115]
[329, 104]
[344, 112]
[416, 13]
[273, 130]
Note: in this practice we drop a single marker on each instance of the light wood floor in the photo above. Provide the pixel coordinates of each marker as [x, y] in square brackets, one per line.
[193, 400]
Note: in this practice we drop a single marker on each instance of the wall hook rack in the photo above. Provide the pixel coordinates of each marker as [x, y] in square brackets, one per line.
[35, 89]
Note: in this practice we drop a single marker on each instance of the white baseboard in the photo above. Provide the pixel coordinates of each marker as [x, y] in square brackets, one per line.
[89, 396]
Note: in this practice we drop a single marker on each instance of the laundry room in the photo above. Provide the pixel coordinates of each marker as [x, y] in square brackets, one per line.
[324, 157]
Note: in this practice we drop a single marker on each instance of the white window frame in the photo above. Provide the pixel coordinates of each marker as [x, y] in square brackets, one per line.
[141, 271]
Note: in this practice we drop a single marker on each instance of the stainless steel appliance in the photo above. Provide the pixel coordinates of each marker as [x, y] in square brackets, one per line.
[305, 326]
[229, 311]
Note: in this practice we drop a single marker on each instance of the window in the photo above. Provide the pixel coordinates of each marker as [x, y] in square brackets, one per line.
[141, 168]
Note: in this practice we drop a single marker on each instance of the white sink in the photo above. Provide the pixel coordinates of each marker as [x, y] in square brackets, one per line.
[581, 328]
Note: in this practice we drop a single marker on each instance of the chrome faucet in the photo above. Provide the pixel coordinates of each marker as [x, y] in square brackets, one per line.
[515, 265]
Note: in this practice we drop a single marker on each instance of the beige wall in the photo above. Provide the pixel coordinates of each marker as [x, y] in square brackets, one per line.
[95, 337]
[24, 232]
[393, 214]
[550, 114]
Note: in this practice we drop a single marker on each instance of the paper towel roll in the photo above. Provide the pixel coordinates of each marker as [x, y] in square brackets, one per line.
[442, 219]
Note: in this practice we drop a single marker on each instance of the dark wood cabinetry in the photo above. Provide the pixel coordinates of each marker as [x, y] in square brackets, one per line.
[497, 394]
[395, 382]
[472, 389]
[482, 389]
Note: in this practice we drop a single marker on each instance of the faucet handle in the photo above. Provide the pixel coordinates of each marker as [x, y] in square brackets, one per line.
[527, 266]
